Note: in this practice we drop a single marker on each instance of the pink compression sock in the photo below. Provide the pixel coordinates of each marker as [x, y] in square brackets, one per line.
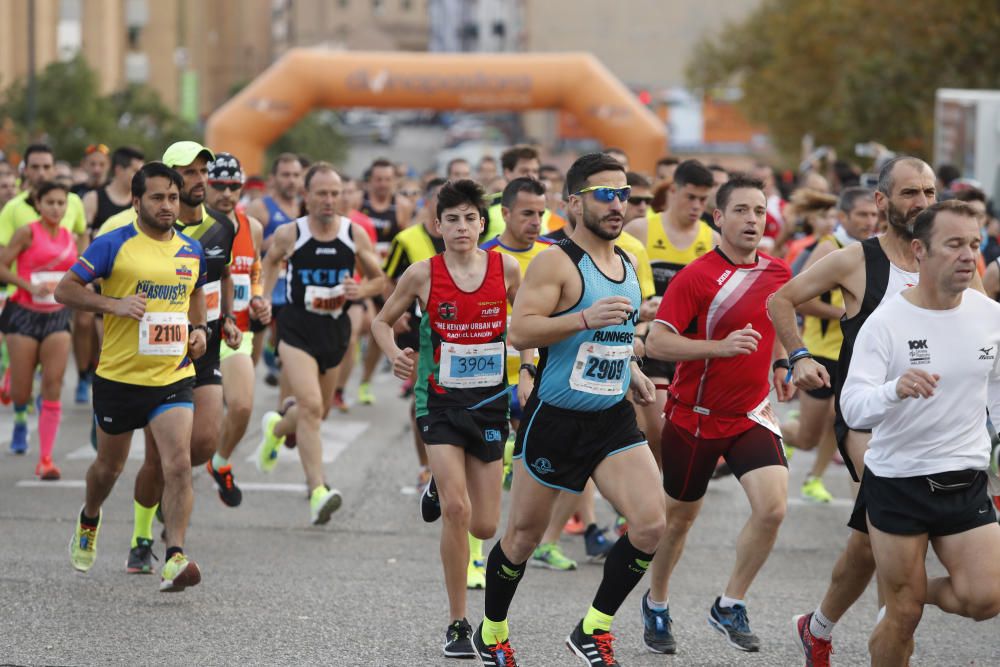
[48, 426]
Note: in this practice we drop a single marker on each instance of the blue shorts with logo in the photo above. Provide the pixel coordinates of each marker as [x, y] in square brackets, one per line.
[561, 448]
[481, 430]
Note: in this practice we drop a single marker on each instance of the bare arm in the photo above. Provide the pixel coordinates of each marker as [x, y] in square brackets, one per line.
[664, 343]
[413, 284]
[73, 292]
[282, 242]
[8, 254]
[817, 307]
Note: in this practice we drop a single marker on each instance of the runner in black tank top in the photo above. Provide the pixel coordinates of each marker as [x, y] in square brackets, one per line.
[322, 250]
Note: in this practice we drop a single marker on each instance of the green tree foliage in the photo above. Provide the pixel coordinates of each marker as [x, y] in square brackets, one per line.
[315, 136]
[852, 70]
[70, 113]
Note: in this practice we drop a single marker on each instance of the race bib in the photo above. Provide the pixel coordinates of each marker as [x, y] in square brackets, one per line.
[382, 248]
[163, 334]
[600, 369]
[50, 279]
[241, 292]
[466, 366]
[325, 300]
[764, 415]
[213, 299]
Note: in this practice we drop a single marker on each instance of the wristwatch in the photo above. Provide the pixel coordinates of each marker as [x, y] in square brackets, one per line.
[203, 327]
[532, 371]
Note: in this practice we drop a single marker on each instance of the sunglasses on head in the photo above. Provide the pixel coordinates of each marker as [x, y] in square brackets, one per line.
[221, 186]
[606, 193]
[97, 148]
[635, 201]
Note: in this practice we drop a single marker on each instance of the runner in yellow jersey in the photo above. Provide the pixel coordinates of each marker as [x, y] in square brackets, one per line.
[673, 239]
[155, 324]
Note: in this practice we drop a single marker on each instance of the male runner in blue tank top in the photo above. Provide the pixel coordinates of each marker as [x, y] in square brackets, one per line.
[579, 306]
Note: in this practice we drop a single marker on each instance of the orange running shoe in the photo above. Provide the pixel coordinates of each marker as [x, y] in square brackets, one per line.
[574, 526]
[47, 470]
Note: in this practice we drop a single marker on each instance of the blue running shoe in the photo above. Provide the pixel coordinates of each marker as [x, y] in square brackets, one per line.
[734, 624]
[83, 390]
[19, 439]
[657, 634]
[597, 544]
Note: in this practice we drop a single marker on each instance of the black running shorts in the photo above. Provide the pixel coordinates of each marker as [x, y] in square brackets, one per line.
[689, 461]
[322, 337]
[942, 504]
[658, 370]
[561, 448]
[120, 407]
[207, 369]
[480, 430]
[20, 321]
[831, 367]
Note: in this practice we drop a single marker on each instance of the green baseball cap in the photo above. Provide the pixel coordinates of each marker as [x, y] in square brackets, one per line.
[183, 153]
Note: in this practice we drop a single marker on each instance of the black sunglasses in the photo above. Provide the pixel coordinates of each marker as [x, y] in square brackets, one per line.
[220, 187]
[640, 200]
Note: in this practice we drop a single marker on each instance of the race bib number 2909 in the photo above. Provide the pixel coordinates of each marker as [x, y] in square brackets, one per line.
[600, 369]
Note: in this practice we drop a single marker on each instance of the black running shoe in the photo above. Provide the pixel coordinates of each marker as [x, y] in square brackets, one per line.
[734, 624]
[493, 655]
[458, 641]
[229, 493]
[593, 649]
[430, 504]
[140, 557]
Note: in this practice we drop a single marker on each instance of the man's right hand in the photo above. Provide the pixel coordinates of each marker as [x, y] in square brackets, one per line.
[608, 312]
[133, 306]
[809, 374]
[403, 363]
[741, 341]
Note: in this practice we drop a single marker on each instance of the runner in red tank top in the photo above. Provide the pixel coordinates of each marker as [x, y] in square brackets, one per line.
[225, 181]
[37, 327]
[713, 321]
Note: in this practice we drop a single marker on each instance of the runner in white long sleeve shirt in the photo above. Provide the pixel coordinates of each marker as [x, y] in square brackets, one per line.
[923, 374]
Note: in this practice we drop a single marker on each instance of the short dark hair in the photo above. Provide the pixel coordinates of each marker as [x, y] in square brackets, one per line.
[510, 157]
[736, 182]
[637, 180]
[434, 183]
[284, 157]
[922, 226]
[517, 185]
[316, 168]
[154, 169]
[38, 148]
[667, 161]
[886, 180]
[377, 164]
[456, 193]
[971, 194]
[588, 165]
[719, 168]
[454, 161]
[550, 169]
[947, 173]
[43, 189]
[124, 156]
[693, 172]
[849, 198]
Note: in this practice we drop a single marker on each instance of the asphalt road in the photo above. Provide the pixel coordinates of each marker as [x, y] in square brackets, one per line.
[367, 589]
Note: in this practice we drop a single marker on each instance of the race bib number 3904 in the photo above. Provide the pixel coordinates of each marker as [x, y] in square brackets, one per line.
[465, 366]
[163, 334]
[600, 369]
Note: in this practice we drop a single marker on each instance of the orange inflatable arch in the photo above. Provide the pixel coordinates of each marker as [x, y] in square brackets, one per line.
[306, 79]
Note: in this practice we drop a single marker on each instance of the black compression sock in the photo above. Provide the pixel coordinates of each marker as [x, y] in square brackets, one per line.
[623, 569]
[502, 578]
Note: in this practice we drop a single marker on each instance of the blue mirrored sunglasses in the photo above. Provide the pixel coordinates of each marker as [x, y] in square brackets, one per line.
[607, 194]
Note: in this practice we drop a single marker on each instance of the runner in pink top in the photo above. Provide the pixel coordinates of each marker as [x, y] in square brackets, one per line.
[37, 327]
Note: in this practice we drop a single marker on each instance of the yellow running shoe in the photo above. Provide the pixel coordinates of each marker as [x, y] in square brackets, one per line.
[267, 452]
[476, 576]
[365, 395]
[83, 547]
[323, 502]
[813, 490]
[179, 573]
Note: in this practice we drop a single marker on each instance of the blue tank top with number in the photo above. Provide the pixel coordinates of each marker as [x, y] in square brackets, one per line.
[275, 218]
[589, 371]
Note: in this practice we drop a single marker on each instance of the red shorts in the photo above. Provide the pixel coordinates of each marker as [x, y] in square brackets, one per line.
[689, 461]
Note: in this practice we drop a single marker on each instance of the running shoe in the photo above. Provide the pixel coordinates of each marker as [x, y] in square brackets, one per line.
[621, 525]
[596, 543]
[475, 578]
[493, 655]
[593, 649]
[140, 557]
[734, 624]
[574, 526]
[179, 573]
[229, 493]
[271, 379]
[657, 629]
[267, 452]
[430, 504]
[816, 650]
[82, 396]
[19, 439]
[365, 395]
[324, 502]
[338, 401]
[551, 556]
[813, 490]
[458, 641]
[83, 547]
[47, 470]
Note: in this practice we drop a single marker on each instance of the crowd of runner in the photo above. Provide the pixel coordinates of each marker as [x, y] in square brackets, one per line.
[557, 332]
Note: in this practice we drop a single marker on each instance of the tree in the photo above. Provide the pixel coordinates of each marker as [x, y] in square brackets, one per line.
[315, 136]
[851, 71]
[70, 114]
